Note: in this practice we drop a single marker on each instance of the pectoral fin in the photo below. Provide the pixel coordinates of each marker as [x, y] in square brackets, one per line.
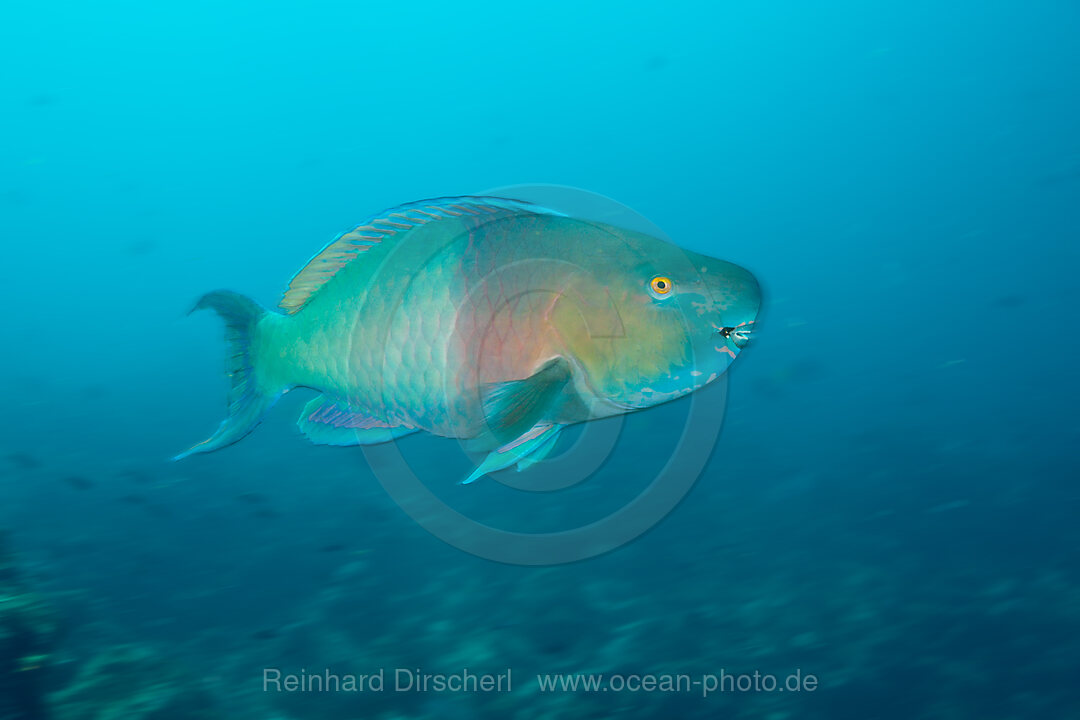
[512, 408]
[538, 440]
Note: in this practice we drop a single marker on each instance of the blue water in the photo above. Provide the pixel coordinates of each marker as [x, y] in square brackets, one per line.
[891, 506]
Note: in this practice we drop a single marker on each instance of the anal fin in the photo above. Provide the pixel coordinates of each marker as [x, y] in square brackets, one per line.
[326, 422]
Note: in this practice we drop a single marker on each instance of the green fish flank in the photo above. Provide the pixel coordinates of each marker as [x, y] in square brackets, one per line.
[485, 319]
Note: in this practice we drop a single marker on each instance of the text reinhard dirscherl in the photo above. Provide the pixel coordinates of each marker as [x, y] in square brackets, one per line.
[400, 680]
[469, 681]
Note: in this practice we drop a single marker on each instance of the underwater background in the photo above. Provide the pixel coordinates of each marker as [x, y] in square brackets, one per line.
[891, 506]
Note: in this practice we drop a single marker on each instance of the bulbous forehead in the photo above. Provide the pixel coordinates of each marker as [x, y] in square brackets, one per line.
[730, 286]
[637, 255]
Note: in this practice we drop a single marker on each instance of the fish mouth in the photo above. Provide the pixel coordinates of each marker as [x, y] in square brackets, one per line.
[738, 335]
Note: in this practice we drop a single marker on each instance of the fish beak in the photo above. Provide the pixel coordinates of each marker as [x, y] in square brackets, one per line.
[737, 335]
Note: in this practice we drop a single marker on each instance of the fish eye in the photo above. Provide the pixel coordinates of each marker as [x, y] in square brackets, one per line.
[661, 285]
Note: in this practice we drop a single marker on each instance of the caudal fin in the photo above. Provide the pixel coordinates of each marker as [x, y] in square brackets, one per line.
[248, 398]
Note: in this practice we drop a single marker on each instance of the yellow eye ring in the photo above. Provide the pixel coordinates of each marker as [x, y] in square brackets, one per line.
[661, 285]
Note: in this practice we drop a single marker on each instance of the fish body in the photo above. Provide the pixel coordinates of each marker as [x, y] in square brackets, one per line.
[485, 319]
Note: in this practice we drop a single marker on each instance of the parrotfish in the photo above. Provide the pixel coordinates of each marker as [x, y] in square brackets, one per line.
[492, 320]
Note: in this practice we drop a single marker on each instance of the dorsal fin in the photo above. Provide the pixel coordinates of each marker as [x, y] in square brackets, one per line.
[393, 223]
